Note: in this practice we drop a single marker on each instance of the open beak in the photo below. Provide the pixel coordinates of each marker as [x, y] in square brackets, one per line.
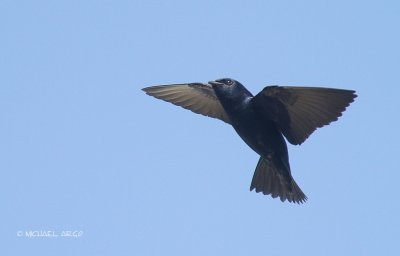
[215, 83]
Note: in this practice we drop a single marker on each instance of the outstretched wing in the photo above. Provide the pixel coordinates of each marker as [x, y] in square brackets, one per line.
[197, 97]
[298, 111]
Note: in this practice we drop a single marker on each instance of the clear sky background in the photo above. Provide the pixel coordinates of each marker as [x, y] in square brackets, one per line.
[82, 148]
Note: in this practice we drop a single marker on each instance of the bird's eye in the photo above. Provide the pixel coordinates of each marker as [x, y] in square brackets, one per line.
[228, 82]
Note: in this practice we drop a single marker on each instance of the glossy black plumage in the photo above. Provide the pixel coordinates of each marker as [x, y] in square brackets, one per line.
[263, 121]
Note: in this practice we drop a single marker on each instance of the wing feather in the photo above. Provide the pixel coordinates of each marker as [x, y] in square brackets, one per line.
[197, 97]
[299, 111]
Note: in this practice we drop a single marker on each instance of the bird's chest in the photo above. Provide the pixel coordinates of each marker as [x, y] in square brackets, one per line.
[253, 129]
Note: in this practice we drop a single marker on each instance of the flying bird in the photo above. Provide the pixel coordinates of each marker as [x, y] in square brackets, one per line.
[263, 121]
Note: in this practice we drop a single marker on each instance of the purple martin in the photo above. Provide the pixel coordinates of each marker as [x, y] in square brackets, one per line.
[263, 122]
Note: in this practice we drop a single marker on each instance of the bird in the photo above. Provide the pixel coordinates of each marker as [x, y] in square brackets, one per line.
[263, 122]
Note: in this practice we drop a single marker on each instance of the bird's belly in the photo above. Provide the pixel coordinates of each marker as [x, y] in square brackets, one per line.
[258, 143]
[262, 137]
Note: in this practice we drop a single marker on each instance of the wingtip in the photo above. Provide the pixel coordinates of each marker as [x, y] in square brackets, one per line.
[149, 90]
[355, 95]
[145, 89]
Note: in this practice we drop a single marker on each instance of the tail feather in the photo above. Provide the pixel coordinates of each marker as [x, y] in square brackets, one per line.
[270, 181]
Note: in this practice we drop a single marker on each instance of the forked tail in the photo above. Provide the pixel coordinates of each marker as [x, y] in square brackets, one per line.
[270, 181]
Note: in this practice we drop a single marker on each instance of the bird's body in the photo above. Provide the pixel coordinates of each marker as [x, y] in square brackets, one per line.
[262, 121]
[259, 133]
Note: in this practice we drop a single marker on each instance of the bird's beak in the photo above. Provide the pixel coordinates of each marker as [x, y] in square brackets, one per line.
[215, 83]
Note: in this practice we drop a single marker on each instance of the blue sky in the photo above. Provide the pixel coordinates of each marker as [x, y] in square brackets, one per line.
[84, 149]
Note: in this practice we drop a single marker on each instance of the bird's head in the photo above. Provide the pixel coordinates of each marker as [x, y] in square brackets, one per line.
[226, 84]
[229, 88]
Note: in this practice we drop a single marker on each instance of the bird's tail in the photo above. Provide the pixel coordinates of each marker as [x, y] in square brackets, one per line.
[270, 181]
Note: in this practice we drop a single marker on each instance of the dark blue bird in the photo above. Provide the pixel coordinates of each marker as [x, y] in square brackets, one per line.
[263, 121]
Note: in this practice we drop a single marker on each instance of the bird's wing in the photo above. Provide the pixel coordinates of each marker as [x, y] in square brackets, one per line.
[298, 111]
[197, 97]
